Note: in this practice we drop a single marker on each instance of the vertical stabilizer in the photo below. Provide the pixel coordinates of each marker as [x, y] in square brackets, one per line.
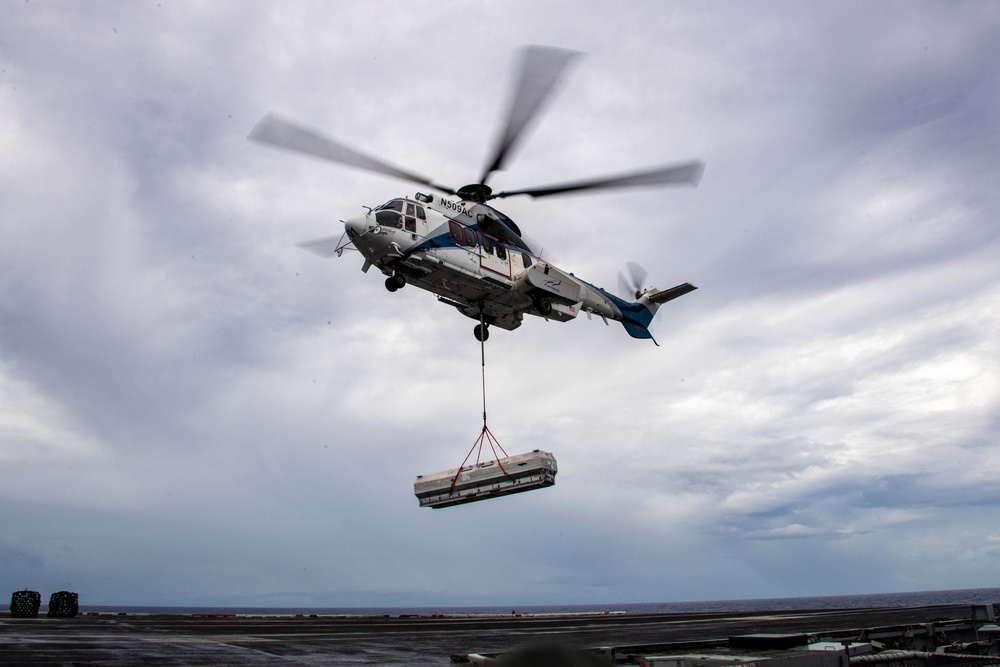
[636, 316]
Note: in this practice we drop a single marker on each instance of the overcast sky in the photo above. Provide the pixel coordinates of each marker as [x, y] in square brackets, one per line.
[195, 411]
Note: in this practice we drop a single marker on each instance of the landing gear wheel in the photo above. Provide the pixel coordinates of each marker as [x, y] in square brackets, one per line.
[544, 306]
[395, 281]
[482, 332]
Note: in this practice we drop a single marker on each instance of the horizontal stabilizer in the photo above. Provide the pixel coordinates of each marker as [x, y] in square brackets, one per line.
[664, 295]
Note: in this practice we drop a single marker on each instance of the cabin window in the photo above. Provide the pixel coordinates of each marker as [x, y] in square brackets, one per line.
[456, 232]
[487, 243]
[501, 251]
[526, 258]
[389, 218]
[470, 237]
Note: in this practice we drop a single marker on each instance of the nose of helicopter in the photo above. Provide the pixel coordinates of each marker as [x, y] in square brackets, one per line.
[356, 226]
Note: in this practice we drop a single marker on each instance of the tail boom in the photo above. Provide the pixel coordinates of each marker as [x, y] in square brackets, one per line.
[635, 316]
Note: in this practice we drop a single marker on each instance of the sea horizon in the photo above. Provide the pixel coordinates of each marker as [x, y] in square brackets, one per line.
[970, 596]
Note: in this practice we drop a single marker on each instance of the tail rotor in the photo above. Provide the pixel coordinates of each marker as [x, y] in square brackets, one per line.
[632, 283]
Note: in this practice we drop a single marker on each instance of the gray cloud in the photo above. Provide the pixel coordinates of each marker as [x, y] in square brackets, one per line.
[193, 411]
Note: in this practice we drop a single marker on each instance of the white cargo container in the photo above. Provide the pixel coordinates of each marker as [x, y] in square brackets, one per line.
[504, 476]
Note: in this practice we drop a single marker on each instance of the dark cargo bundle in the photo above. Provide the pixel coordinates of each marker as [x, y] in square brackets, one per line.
[64, 604]
[24, 604]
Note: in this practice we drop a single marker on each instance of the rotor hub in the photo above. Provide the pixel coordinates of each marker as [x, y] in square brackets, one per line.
[477, 192]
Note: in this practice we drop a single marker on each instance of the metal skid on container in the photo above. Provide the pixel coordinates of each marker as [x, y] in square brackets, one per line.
[480, 481]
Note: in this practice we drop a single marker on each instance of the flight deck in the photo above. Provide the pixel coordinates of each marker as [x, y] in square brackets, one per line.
[124, 640]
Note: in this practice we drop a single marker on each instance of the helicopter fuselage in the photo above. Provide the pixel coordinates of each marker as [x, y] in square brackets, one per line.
[471, 257]
[467, 253]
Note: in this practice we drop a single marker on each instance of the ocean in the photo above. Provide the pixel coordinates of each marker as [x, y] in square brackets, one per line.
[912, 599]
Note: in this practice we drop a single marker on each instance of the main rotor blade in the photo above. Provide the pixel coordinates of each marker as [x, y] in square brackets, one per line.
[276, 131]
[540, 70]
[324, 247]
[688, 173]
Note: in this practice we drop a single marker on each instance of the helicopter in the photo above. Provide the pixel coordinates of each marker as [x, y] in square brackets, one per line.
[471, 256]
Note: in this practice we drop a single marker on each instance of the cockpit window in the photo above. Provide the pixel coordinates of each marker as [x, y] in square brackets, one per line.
[389, 218]
[392, 205]
[400, 214]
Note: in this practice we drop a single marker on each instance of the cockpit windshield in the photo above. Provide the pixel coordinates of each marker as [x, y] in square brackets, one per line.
[391, 205]
[400, 214]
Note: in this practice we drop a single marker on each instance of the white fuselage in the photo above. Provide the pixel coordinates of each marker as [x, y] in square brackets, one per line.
[447, 248]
